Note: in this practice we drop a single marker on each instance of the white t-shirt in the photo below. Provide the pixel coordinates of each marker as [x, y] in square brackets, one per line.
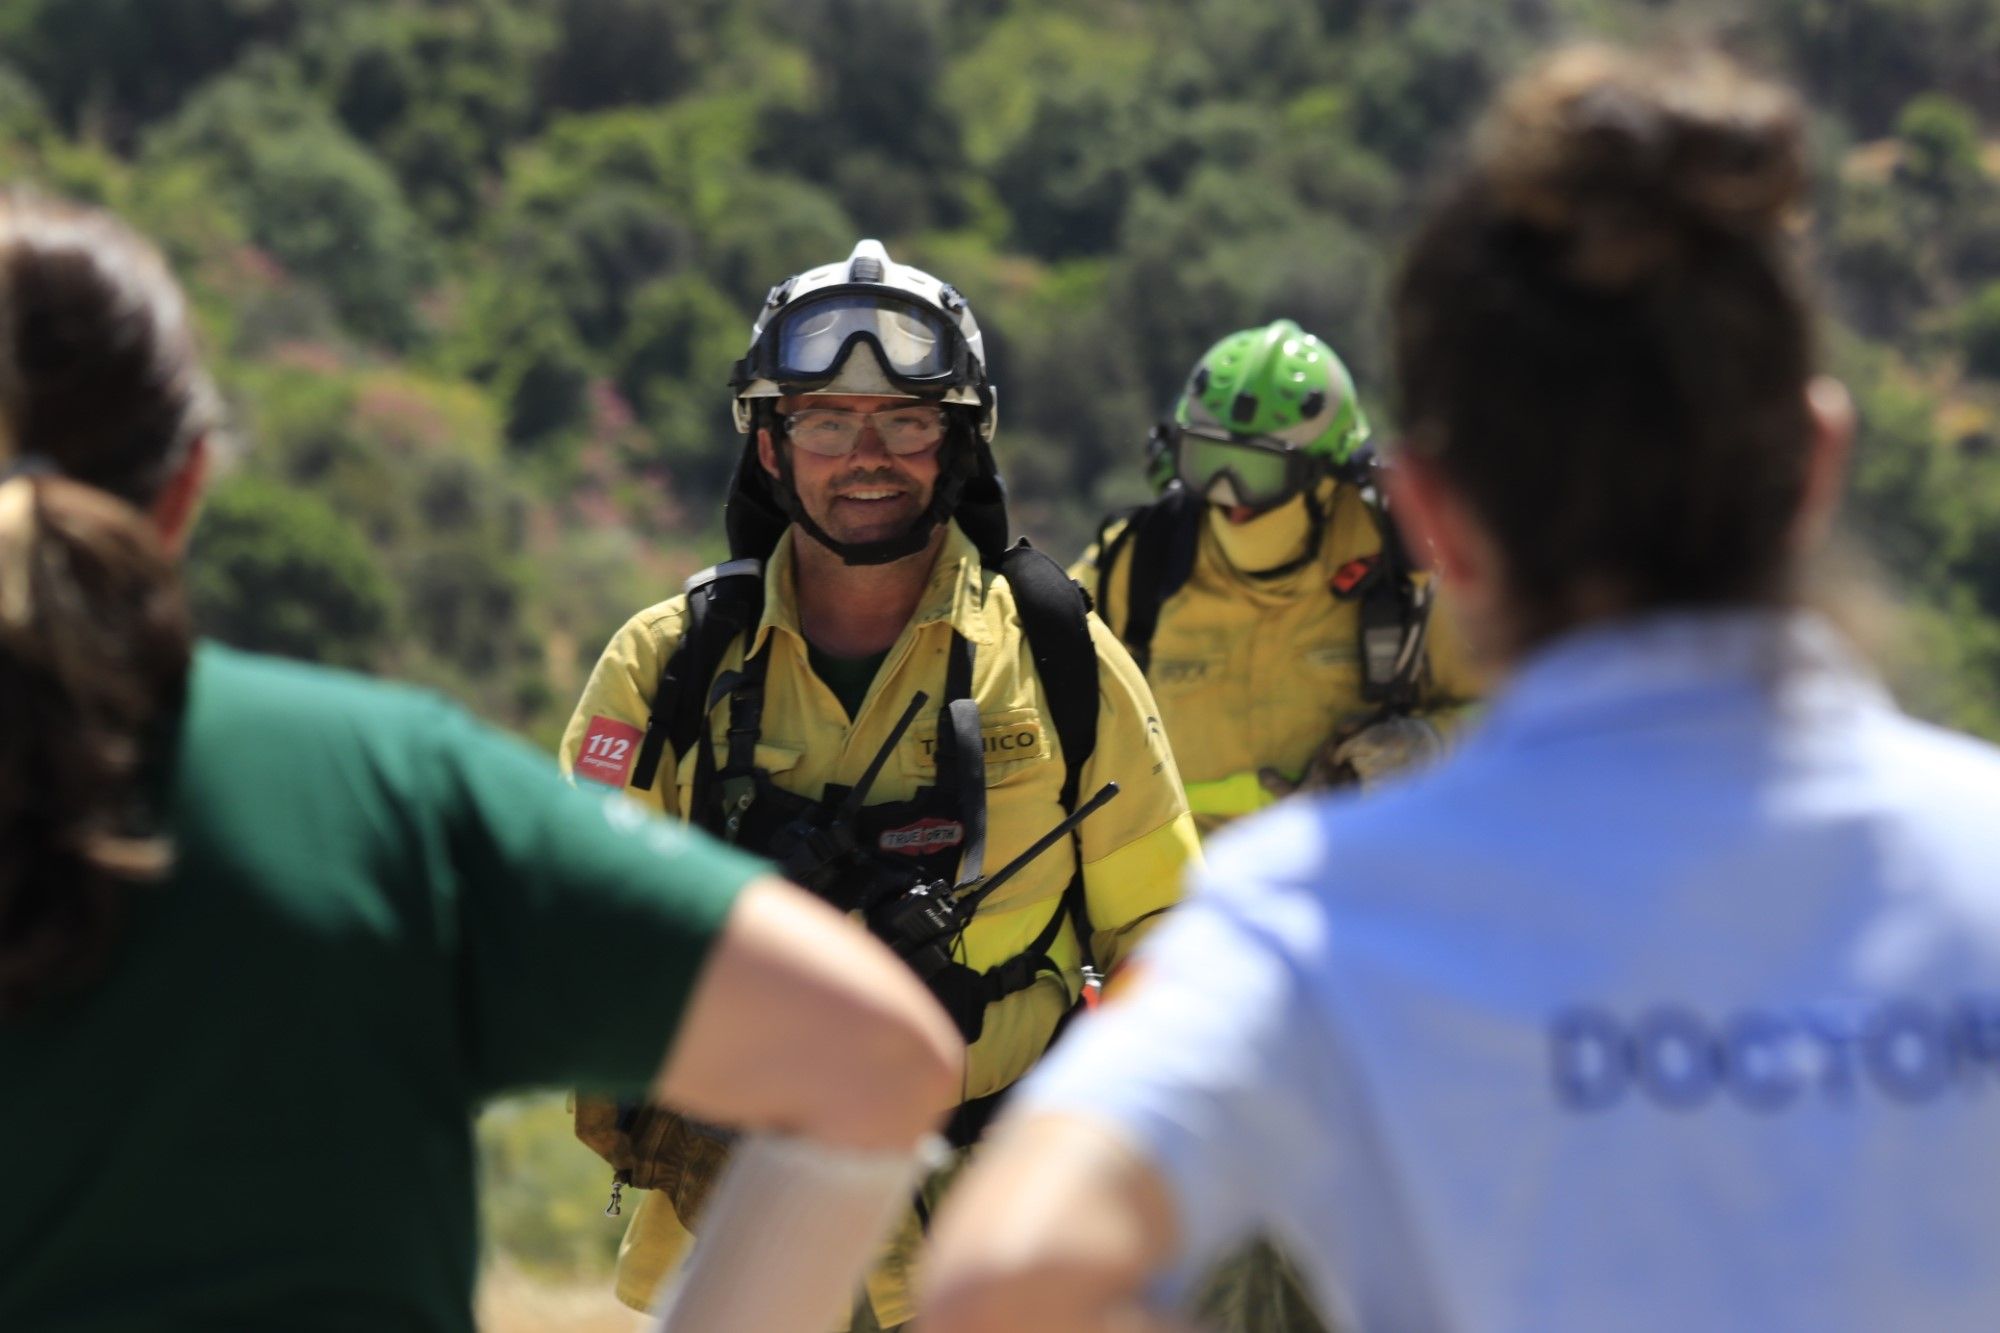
[1671, 1001]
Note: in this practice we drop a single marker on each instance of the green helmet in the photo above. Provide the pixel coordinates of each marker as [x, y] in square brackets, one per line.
[1264, 410]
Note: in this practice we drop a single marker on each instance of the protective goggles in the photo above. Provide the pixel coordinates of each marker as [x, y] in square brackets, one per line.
[833, 433]
[1262, 471]
[805, 344]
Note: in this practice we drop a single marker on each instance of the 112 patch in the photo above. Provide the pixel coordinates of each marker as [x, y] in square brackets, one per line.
[607, 752]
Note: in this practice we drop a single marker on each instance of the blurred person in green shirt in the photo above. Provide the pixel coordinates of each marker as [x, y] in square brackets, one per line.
[269, 934]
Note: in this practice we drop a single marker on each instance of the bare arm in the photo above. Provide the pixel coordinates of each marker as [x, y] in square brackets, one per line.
[1058, 1228]
[802, 1024]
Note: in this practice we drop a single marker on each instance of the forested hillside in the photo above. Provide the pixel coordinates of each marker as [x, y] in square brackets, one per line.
[475, 270]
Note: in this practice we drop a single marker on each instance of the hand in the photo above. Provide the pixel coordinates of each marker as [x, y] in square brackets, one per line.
[1379, 749]
[1360, 756]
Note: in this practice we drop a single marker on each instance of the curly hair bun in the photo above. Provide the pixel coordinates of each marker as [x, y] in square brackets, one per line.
[1633, 159]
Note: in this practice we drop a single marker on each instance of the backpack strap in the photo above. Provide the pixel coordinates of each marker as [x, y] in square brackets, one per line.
[723, 601]
[1109, 551]
[1163, 536]
[1395, 609]
[1055, 617]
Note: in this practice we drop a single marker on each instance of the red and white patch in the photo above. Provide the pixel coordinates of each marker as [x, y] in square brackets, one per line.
[923, 837]
[1353, 574]
[607, 752]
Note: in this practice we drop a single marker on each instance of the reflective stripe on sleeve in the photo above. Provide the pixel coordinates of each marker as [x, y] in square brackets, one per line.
[1227, 798]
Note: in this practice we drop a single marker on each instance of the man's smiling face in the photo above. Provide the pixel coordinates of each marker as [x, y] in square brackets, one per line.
[868, 495]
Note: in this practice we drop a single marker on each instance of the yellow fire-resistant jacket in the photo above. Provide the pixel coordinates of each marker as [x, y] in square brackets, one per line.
[1135, 848]
[1255, 673]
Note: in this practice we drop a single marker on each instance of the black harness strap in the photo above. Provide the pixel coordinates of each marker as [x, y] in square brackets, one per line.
[1054, 614]
[745, 691]
[1109, 551]
[968, 1123]
[723, 601]
[704, 756]
[1056, 621]
[959, 753]
[1164, 537]
[857, 795]
[1395, 611]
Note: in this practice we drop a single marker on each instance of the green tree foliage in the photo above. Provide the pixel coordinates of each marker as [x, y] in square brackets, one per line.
[108, 67]
[474, 273]
[565, 212]
[544, 1192]
[1940, 148]
[1867, 58]
[625, 52]
[1886, 275]
[311, 195]
[278, 570]
[681, 329]
[879, 127]
[1982, 333]
[439, 90]
[1413, 93]
[477, 269]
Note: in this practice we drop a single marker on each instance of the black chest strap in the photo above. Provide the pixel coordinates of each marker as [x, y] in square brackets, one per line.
[1055, 618]
[961, 758]
[1395, 611]
[723, 603]
[727, 601]
[1163, 537]
[722, 798]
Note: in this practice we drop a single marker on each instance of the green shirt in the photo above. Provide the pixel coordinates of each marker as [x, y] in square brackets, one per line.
[380, 915]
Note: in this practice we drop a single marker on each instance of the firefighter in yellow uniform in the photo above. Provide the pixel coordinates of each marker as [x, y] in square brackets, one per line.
[856, 696]
[1285, 631]
[1287, 635]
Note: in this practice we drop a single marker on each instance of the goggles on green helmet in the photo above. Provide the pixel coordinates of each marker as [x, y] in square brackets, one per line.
[1261, 470]
[804, 345]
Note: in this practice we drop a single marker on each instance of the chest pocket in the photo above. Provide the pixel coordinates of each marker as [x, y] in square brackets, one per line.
[1327, 648]
[1011, 739]
[774, 757]
[1336, 655]
[1188, 662]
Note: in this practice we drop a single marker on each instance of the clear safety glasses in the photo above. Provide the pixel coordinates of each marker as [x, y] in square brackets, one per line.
[1262, 471]
[832, 433]
[810, 340]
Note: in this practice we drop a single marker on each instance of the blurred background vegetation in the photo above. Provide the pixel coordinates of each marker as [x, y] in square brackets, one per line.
[474, 272]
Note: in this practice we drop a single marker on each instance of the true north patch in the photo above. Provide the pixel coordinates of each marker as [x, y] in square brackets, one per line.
[923, 837]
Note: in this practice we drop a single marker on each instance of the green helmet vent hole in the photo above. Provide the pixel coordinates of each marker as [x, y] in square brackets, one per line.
[1244, 408]
[1315, 401]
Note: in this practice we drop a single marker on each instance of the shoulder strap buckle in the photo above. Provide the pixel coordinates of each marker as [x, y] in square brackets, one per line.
[679, 696]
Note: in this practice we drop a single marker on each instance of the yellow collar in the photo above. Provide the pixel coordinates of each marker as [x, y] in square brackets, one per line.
[955, 593]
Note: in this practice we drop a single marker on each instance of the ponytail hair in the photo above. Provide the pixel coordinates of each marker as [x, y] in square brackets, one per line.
[102, 399]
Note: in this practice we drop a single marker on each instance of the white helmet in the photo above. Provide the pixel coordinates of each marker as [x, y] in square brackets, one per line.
[918, 335]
